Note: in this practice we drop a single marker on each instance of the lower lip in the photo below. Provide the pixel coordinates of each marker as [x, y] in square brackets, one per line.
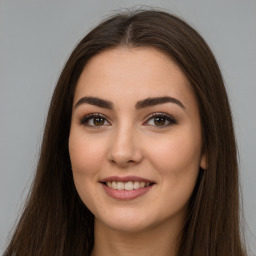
[126, 194]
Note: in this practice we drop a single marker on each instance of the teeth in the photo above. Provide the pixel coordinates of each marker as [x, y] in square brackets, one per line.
[114, 186]
[120, 185]
[136, 185]
[130, 185]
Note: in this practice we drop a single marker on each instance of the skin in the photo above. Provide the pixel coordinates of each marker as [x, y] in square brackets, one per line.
[130, 142]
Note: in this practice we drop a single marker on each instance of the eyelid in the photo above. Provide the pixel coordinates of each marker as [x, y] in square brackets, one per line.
[84, 120]
[168, 117]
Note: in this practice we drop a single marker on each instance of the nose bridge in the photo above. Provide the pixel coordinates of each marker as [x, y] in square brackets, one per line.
[124, 147]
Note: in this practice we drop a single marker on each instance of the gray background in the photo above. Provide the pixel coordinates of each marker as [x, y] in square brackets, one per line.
[36, 38]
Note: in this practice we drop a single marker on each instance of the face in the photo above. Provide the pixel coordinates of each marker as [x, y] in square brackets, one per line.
[135, 140]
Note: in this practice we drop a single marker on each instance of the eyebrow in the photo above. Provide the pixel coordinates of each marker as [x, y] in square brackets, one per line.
[148, 102]
[96, 102]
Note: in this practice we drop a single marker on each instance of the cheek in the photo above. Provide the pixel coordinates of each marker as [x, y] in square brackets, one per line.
[177, 161]
[87, 159]
[176, 151]
[177, 158]
[86, 154]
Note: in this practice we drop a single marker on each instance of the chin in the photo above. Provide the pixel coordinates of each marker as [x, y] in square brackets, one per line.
[130, 221]
[127, 226]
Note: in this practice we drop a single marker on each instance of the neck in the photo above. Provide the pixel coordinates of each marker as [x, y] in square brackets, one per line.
[158, 240]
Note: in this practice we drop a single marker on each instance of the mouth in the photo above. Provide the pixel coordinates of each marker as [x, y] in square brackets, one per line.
[128, 187]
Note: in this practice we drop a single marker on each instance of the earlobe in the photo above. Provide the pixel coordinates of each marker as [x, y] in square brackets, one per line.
[203, 162]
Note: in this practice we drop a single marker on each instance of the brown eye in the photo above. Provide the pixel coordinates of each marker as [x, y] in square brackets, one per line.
[98, 121]
[159, 120]
[94, 121]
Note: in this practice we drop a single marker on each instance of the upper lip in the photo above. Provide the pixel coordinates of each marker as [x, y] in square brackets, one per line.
[126, 179]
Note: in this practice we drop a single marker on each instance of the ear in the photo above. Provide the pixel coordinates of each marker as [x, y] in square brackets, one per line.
[203, 162]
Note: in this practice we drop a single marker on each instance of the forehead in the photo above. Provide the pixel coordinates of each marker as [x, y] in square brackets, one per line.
[132, 73]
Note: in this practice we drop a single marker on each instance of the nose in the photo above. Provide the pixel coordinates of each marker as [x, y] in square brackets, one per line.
[125, 149]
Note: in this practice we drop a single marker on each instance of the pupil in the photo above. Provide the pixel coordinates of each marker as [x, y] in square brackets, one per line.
[159, 121]
[98, 121]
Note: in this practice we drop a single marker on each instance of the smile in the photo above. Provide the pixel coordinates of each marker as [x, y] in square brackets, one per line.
[130, 185]
[126, 188]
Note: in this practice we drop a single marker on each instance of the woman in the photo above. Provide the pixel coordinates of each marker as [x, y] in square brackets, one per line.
[138, 155]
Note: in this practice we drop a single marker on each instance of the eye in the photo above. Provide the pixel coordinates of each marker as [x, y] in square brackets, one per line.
[160, 120]
[94, 120]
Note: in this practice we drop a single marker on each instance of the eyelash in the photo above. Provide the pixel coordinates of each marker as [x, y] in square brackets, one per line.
[87, 118]
[167, 118]
[84, 121]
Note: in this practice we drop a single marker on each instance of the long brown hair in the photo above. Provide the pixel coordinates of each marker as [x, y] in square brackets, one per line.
[56, 222]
